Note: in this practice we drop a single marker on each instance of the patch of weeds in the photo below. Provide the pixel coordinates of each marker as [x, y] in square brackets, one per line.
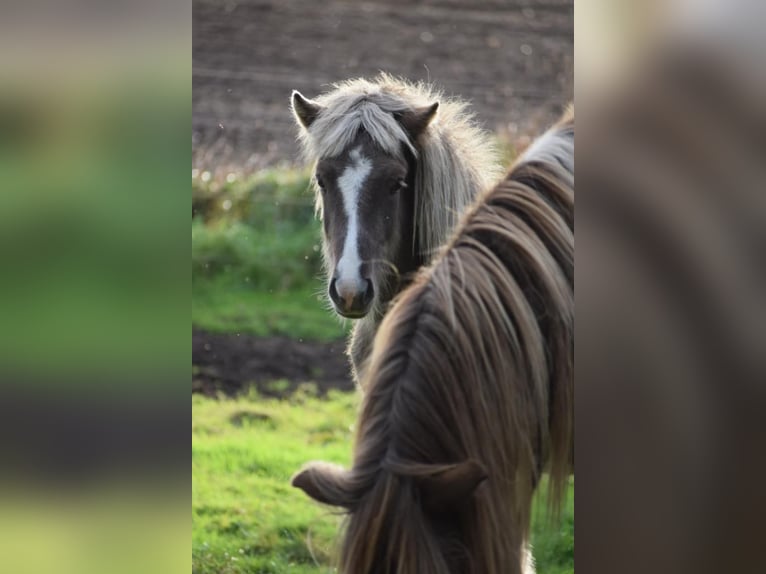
[252, 418]
[277, 387]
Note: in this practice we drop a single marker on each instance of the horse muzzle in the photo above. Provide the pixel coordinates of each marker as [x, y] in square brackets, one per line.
[351, 298]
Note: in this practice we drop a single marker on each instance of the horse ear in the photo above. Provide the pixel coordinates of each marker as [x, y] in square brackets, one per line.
[417, 120]
[305, 110]
[325, 483]
[449, 488]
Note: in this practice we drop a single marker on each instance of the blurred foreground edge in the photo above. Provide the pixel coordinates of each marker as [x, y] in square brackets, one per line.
[671, 316]
[71, 437]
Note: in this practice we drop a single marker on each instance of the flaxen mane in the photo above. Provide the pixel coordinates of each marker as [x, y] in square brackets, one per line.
[469, 393]
[456, 160]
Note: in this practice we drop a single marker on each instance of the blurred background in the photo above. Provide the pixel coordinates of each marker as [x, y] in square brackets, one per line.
[513, 60]
[271, 383]
[95, 101]
[94, 286]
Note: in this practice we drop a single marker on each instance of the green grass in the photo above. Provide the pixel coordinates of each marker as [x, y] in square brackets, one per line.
[227, 306]
[256, 258]
[246, 517]
[278, 259]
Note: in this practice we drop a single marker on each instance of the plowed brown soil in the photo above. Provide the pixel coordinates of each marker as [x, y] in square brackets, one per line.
[513, 59]
[233, 363]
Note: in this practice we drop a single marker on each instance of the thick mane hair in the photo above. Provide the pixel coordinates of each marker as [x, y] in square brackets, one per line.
[456, 160]
[473, 365]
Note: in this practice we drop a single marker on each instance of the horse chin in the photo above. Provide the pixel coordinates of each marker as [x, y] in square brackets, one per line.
[353, 314]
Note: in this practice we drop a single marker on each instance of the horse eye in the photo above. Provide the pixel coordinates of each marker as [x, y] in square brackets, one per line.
[398, 186]
[320, 181]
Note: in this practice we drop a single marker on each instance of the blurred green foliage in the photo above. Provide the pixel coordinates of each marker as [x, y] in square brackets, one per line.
[94, 289]
[91, 242]
[264, 258]
[256, 256]
[115, 526]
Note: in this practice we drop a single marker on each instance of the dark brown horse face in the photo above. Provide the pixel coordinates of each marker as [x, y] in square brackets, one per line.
[367, 210]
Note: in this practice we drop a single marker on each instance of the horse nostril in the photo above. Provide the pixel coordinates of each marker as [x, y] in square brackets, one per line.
[351, 297]
[334, 291]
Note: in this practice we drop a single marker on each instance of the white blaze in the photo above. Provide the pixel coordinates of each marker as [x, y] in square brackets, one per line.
[350, 184]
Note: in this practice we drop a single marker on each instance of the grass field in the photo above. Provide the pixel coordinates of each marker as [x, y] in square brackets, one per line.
[228, 307]
[246, 517]
[256, 261]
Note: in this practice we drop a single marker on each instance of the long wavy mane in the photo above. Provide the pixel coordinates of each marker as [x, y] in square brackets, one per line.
[473, 363]
[456, 160]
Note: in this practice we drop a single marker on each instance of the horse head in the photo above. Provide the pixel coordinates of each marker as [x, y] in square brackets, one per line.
[366, 198]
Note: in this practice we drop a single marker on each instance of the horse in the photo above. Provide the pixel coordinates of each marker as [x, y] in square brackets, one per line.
[395, 163]
[469, 392]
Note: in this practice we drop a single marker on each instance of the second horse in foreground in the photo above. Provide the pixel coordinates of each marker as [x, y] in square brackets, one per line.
[469, 393]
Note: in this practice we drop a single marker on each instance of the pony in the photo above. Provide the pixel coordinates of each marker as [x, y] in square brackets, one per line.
[395, 164]
[469, 392]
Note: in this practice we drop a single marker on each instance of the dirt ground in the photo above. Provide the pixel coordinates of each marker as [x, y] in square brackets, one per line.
[231, 363]
[513, 59]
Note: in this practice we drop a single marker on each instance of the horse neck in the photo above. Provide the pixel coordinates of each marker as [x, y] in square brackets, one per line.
[410, 261]
[363, 335]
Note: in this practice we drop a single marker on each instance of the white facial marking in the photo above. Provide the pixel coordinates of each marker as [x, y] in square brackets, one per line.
[350, 184]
